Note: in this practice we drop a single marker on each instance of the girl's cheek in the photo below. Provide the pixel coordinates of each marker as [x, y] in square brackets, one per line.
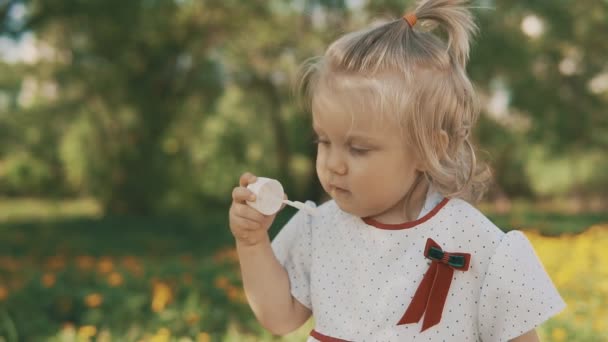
[320, 158]
[319, 164]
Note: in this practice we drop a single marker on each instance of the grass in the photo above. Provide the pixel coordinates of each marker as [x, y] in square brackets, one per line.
[67, 272]
[548, 224]
[64, 267]
[73, 227]
[43, 228]
[550, 219]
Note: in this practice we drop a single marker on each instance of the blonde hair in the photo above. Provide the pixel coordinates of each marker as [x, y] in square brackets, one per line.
[414, 77]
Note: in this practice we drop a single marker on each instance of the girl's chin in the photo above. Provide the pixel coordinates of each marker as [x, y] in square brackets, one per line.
[348, 207]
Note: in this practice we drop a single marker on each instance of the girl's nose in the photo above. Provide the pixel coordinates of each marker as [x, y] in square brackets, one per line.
[335, 162]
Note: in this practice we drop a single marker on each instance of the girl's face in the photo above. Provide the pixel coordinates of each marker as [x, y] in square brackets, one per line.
[364, 165]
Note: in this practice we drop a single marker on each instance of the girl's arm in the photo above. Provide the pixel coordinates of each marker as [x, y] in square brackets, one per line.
[530, 336]
[265, 281]
[267, 288]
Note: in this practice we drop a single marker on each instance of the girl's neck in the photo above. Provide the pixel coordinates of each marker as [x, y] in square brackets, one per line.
[409, 209]
[415, 203]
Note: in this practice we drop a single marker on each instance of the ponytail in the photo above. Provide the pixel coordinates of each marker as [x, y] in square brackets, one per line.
[454, 17]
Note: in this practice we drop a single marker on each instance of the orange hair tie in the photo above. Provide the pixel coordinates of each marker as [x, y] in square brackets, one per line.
[411, 19]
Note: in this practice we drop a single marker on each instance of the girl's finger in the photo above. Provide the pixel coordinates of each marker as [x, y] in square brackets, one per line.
[240, 194]
[247, 224]
[247, 178]
[245, 211]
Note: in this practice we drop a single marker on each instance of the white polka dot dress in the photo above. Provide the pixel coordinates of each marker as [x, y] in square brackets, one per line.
[359, 276]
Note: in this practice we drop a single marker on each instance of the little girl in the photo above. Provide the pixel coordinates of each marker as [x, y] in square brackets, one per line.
[398, 253]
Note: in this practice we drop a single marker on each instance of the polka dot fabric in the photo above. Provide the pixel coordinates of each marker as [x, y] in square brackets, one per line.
[358, 279]
[293, 248]
[517, 293]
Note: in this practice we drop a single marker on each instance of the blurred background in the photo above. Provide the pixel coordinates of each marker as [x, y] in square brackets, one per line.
[124, 126]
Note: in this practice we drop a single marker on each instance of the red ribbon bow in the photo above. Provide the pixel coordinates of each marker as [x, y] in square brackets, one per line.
[432, 292]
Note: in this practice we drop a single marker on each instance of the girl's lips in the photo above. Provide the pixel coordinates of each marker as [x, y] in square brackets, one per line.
[338, 189]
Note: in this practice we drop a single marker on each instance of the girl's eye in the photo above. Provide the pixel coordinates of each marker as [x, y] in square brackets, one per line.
[318, 141]
[353, 150]
[358, 151]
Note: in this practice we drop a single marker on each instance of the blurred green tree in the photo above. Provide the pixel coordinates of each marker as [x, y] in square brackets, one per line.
[158, 104]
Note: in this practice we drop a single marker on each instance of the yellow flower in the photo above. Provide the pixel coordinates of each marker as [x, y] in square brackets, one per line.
[222, 283]
[48, 280]
[87, 331]
[163, 335]
[569, 261]
[115, 279]
[105, 265]
[161, 296]
[93, 300]
[559, 334]
[599, 324]
[68, 332]
[226, 255]
[236, 295]
[85, 262]
[3, 293]
[132, 264]
[9, 263]
[192, 318]
[67, 326]
[56, 262]
[203, 337]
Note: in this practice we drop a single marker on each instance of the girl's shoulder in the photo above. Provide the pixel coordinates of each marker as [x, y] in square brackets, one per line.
[463, 215]
[472, 231]
[476, 231]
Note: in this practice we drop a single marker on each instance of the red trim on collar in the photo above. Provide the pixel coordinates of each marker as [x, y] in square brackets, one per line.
[324, 338]
[410, 224]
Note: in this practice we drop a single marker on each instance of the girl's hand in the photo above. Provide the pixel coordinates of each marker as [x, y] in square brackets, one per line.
[248, 225]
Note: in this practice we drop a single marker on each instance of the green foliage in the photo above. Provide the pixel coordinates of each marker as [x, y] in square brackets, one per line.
[24, 174]
[549, 74]
[158, 106]
[551, 175]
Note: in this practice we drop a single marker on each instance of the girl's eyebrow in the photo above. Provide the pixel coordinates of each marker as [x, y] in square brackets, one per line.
[361, 138]
[351, 137]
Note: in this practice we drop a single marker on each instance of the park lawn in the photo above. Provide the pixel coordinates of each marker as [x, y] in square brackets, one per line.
[67, 271]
